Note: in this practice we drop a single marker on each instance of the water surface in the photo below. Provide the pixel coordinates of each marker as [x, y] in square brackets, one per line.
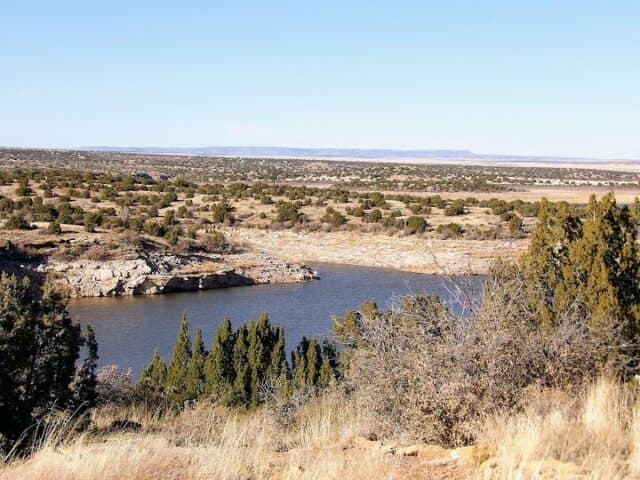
[130, 328]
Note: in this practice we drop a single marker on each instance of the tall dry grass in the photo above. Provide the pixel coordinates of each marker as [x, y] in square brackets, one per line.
[594, 436]
[211, 442]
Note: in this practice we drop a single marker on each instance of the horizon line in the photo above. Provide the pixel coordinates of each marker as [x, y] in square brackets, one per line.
[336, 152]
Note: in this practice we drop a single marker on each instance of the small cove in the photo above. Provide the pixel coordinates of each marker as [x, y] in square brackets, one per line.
[129, 329]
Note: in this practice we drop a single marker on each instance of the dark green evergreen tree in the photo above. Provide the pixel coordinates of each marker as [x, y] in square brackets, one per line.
[590, 263]
[195, 371]
[547, 257]
[241, 391]
[219, 372]
[261, 341]
[299, 363]
[39, 346]
[85, 382]
[329, 368]
[314, 362]
[153, 379]
[278, 365]
[603, 268]
[177, 371]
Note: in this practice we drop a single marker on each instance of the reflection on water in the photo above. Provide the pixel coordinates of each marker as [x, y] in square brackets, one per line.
[130, 328]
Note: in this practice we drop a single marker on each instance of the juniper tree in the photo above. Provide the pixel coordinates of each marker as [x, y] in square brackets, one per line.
[85, 381]
[299, 363]
[582, 265]
[39, 346]
[348, 328]
[603, 268]
[262, 339]
[218, 366]
[239, 365]
[153, 378]
[195, 371]
[547, 257]
[329, 368]
[313, 363]
[278, 365]
[255, 351]
[241, 391]
[176, 386]
[591, 264]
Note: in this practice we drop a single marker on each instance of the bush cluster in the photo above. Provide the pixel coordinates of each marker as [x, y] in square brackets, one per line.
[241, 368]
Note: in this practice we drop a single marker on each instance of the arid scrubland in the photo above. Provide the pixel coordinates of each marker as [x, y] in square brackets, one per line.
[537, 379]
[421, 218]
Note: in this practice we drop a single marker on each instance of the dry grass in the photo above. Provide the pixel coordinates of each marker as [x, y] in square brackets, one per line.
[209, 442]
[593, 436]
[596, 437]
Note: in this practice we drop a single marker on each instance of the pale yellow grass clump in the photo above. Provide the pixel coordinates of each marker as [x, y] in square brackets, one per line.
[592, 436]
[210, 442]
[596, 437]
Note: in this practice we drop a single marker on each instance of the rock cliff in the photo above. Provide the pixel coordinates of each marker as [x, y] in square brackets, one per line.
[144, 271]
[171, 273]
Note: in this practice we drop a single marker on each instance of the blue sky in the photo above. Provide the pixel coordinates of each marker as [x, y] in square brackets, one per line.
[543, 77]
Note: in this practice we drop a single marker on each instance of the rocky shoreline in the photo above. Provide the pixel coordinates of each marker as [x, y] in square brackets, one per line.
[406, 253]
[159, 274]
[155, 272]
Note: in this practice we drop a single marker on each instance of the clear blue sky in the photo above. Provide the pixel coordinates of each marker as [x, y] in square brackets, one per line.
[536, 77]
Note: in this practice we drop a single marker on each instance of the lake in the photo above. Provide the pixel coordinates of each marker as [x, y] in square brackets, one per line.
[129, 329]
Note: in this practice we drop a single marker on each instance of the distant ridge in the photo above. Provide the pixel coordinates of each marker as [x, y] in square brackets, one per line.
[355, 153]
[292, 152]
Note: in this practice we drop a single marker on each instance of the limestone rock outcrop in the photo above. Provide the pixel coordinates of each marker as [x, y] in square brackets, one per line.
[164, 273]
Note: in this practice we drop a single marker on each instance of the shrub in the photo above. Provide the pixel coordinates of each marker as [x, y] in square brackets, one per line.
[23, 189]
[172, 234]
[6, 206]
[334, 217]
[433, 375]
[416, 224]
[455, 208]
[213, 241]
[288, 212]
[221, 212]
[114, 387]
[357, 212]
[54, 228]
[374, 216]
[91, 221]
[450, 230]
[17, 221]
[153, 228]
[515, 225]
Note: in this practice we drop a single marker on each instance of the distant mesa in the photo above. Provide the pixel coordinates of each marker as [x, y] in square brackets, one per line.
[292, 152]
[347, 153]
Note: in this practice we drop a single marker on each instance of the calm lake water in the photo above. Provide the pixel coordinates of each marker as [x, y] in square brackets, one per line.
[130, 328]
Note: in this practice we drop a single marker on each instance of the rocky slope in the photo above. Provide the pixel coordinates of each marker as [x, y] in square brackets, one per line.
[160, 273]
[411, 254]
[120, 270]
